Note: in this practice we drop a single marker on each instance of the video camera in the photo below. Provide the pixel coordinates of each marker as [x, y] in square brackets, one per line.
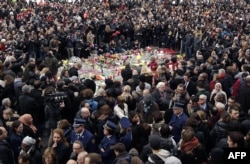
[56, 97]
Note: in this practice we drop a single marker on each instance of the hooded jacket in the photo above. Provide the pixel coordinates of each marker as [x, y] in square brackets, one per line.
[162, 157]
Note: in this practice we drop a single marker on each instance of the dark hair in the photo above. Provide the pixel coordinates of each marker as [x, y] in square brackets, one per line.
[119, 147]
[157, 116]
[238, 138]
[25, 157]
[15, 125]
[234, 125]
[165, 131]
[146, 130]
[192, 122]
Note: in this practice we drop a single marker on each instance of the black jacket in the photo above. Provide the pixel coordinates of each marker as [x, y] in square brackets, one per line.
[28, 104]
[6, 155]
[121, 157]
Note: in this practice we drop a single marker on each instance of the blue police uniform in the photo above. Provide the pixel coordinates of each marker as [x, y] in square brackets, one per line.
[87, 139]
[177, 122]
[108, 156]
[127, 140]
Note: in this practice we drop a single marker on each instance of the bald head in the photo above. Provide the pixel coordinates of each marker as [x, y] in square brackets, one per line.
[71, 161]
[85, 112]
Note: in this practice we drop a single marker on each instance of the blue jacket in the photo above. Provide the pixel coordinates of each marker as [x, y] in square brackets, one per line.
[87, 139]
[127, 140]
[108, 156]
[177, 122]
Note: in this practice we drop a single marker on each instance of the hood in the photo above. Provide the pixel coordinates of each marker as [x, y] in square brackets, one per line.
[163, 154]
[159, 157]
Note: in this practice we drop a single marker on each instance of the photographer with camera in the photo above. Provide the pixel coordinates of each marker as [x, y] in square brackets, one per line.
[53, 105]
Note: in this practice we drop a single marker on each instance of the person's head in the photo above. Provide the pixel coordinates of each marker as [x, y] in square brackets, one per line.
[63, 124]
[71, 161]
[77, 147]
[26, 119]
[202, 99]
[109, 128]
[161, 86]
[178, 108]
[202, 115]
[88, 93]
[81, 156]
[155, 142]
[3, 133]
[28, 143]
[220, 106]
[235, 139]
[164, 131]
[78, 125]
[26, 89]
[225, 117]
[187, 134]
[6, 102]
[17, 127]
[24, 158]
[186, 77]
[148, 100]
[85, 113]
[234, 113]
[127, 89]
[180, 88]
[231, 101]
[93, 158]
[58, 136]
[124, 123]
[105, 110]
[118, 148]
[7, 113]
[220, 97]
[134, 117]
[49, 156]
[218, 86]
[120, 100]
[145, 92]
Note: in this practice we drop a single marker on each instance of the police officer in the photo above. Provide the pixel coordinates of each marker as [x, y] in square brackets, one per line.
[125, 136]
[85, 136]
[109, 139]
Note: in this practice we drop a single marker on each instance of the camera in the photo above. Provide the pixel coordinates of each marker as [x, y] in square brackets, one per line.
[56, 97]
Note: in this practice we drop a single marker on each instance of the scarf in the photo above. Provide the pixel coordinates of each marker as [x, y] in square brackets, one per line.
[189, 145]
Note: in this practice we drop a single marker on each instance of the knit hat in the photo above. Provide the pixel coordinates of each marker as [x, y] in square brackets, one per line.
[29, 141]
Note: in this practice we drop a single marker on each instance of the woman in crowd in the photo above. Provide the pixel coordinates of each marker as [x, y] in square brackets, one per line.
[60, 145]
[50, 156]
[105, 113]
[121, 109]
[16, 137]
[191, 150]
[218, 94]
[66, 127]
[29, 128]
[109, 139]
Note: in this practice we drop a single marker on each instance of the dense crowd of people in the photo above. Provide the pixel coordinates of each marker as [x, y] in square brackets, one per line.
[184, 110]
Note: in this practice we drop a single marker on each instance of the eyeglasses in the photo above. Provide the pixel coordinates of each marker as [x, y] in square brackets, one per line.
[201, 99]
